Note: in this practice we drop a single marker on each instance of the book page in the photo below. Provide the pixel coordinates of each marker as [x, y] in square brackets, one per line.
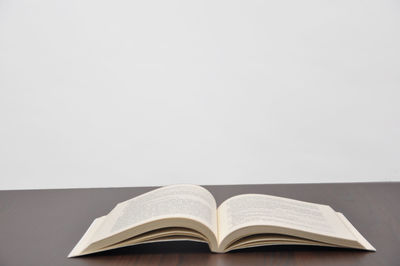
[255, 210]
[176, 201]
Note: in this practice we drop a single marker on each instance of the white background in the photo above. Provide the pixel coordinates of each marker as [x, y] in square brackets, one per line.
[130, 93]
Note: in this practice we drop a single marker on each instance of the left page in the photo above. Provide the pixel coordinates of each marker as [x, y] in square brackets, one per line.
[187, 206]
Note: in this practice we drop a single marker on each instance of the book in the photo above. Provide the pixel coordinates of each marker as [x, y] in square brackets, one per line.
[190, 212]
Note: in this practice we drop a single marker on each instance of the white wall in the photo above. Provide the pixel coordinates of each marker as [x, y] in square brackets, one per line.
[129, 93]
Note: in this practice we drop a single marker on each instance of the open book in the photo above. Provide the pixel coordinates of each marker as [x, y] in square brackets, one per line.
[189, 212]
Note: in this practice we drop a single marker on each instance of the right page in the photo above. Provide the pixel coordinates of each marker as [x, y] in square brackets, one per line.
[251, 214]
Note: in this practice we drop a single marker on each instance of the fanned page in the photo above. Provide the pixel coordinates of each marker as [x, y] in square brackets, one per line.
[255, 214]
[176, 206]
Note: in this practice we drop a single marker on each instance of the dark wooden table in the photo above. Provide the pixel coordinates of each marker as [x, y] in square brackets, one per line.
[40, 227]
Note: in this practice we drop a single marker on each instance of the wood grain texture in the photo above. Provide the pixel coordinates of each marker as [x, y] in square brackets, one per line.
[40, 227]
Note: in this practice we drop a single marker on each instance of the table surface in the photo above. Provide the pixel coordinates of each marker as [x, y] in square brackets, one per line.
[40, 227]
